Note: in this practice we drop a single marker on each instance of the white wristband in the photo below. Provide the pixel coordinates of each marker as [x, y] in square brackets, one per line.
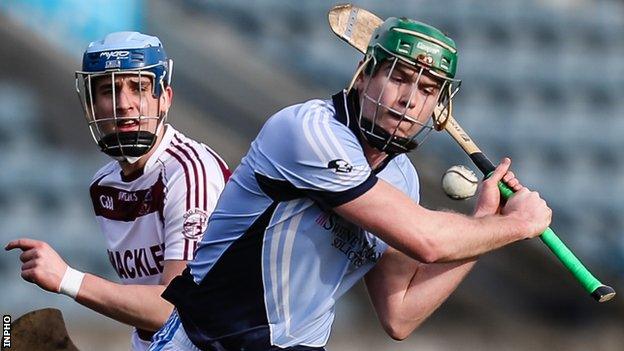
[70, 284]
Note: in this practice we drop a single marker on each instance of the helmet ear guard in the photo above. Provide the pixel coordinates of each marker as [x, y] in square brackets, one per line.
[444, 109]
[169, 74]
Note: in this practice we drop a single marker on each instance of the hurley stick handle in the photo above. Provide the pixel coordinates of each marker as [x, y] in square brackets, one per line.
[593, 286]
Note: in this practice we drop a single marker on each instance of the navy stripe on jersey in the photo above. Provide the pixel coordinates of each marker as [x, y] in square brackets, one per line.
[282, 190]
[186, 247]
[225, 170]
[186, 177]
[195, 184]
[230, 297]
[203, 169]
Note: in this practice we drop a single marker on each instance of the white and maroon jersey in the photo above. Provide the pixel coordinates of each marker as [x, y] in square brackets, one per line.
[160, 213]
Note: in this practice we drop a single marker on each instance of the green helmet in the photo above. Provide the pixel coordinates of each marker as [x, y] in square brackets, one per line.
[415, 43]
[428, 52]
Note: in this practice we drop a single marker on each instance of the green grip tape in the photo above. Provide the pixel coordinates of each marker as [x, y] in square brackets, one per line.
[569, 260]
[505, 190]
[587, 280]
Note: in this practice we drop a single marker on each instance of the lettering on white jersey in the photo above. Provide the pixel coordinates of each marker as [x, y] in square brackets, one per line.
[127, 196]
[107, 202]
[123, 205]
[161, 213]
[144, 261]
[142, 215]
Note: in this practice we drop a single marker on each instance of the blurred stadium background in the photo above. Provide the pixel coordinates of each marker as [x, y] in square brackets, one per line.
[542, 81]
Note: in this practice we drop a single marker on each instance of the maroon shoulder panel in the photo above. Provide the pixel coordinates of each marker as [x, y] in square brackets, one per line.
[126, 206]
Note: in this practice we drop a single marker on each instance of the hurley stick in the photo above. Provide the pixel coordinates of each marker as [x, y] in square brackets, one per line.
[355, 26]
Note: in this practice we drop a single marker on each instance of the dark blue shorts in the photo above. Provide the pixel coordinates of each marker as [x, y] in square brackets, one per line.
[174, 336]
[254, 339]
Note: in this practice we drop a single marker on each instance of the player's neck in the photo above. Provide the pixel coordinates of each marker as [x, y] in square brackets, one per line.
[129, 169]
[374, 157]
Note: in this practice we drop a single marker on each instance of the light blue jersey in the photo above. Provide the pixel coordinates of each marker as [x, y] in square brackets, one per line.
[275, 258]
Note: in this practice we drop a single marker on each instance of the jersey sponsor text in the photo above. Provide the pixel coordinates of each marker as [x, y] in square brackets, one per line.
[349, 240]
[144, 261]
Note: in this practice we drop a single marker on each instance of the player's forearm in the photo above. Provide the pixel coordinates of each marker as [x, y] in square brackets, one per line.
[425, 235]
[429, 288]
[138, 305]
[406, 292]
[445, 236]
[451, 236]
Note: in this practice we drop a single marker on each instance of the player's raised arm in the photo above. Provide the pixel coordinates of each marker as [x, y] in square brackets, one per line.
[437, 236]
[405, 292]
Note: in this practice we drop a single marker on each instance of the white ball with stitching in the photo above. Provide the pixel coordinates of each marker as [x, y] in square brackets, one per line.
[460, 182]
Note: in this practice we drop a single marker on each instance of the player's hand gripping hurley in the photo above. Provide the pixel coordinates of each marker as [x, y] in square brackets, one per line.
[355, 26]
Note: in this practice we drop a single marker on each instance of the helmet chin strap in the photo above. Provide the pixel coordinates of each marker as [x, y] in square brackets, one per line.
[129, 159]
[384, 141]
[132, 154]
[129, 146]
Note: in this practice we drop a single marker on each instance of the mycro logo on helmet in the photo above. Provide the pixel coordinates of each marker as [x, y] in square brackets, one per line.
[340, 165]
[427, 48]
[115, 54]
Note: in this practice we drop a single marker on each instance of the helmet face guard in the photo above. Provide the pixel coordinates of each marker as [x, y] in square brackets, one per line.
[406, 85]
[120, 92]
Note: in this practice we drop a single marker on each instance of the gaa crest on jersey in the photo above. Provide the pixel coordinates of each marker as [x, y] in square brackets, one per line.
[146, 205]
[195, 221]
[340, 166]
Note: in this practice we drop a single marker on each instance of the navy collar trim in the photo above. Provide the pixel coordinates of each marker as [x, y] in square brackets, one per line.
[347, 112]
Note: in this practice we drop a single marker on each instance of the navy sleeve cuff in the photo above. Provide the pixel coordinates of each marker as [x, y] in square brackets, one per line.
[330, 199]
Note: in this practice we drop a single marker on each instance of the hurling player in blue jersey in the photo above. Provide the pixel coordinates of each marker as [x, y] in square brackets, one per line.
[326, 196]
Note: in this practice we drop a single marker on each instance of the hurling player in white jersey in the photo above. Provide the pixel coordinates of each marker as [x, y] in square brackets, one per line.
[152, 201]
[326, 196]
